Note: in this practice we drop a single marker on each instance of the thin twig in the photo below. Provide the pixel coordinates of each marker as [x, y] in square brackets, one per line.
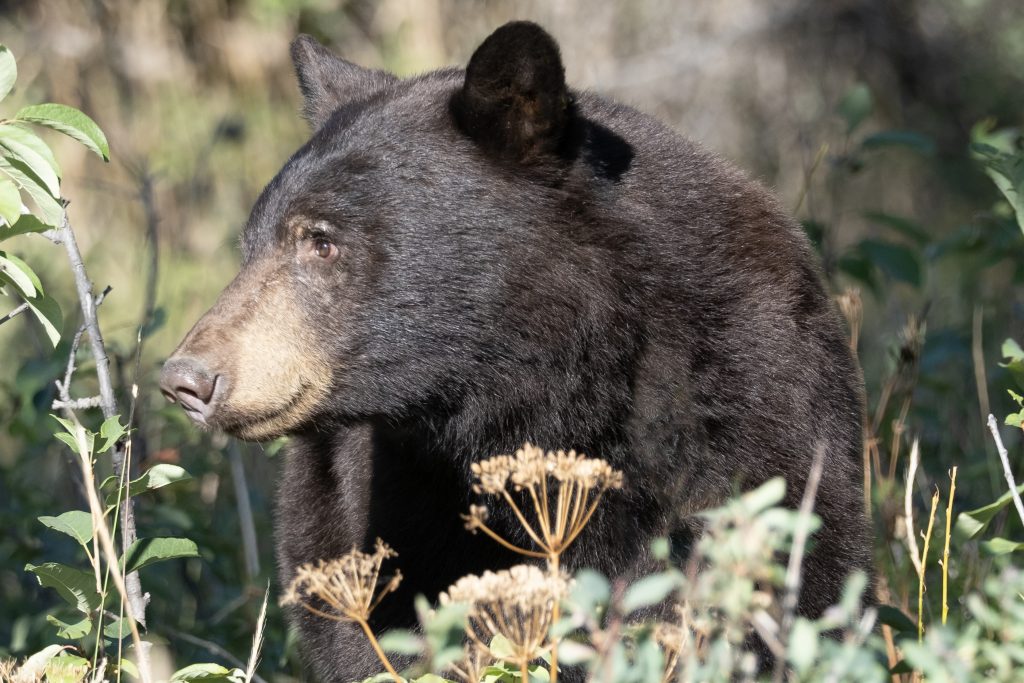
[20, 309]
[66, 236]
[1007, 472]
[908, 508]
[78, 403]
[796, 556]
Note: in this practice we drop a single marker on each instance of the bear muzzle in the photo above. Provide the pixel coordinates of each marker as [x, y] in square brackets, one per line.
[187, 382]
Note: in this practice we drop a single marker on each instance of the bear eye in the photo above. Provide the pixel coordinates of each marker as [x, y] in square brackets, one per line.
[324, 249]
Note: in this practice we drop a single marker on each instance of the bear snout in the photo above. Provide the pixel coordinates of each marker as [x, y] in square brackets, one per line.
[188, 382]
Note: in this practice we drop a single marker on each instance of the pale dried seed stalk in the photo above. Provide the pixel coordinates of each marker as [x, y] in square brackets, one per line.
[471, 667]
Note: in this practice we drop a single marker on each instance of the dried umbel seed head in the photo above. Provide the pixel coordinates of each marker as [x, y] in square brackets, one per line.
[531, 465]
[347, 586]
[517, 603]
[563, 505]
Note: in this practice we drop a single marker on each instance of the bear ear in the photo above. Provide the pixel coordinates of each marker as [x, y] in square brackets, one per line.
[328, 81]
[514, 102]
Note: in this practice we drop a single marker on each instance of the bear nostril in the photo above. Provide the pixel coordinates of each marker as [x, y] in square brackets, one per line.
[188, 382]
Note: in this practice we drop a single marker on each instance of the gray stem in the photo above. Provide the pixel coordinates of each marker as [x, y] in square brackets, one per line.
[108, 403]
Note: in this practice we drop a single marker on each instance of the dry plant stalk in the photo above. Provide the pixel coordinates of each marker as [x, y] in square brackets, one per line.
[518, 604]
[945, 549]
[908, 507]
[471, 667]
[673, 641]
[348, 586]
[104, 542]
[924, 565]
[580, 483]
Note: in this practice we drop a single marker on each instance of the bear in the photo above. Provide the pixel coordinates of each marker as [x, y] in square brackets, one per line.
[462, 261]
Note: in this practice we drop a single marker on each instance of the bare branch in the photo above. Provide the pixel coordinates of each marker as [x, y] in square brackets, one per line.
[66, 236]
[1007, 471]
[20, 309]
[78, 403]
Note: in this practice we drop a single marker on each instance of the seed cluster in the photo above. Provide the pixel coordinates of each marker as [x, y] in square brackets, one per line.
[561, 509]
[347, 585]
[517, 603]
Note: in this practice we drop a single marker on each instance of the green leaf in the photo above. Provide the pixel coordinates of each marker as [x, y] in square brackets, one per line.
[75, 523]
[146, 551]
[117, 629]
[571, 653]
[128, 666]
[10, 201]
[764, 496]
[77, 587]
[1014, 356]
[1006, 170]
[971, 523]
[1002, 546]
[8, 71]
[855, 106]
[1012, 350]
[207, 672]
[47, 312]
[71, 631]
[69, 121]
[648, 591]
[501, 647]
[155, 477]
[48, 208]
[19, 274]
[111, 431]
[895, 619]
[922, 144]
[68, 439]
[67, 668]
[401, 641]
[26, 146]
[25, 224]
[590, 591]
[35, 666]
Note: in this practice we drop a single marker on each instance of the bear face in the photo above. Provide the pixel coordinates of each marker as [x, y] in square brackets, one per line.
[463, 261]
[339, 309]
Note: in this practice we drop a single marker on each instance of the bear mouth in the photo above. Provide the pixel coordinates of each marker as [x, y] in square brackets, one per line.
[262, 425]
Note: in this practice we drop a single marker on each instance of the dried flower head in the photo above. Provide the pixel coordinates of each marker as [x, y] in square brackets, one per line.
[473, 663]
[517, 603]
[562, 509]
[348, 585]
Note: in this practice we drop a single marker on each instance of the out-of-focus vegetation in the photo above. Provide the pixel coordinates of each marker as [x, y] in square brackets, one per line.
[878, 122]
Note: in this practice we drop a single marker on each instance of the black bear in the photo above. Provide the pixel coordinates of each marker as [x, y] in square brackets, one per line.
[463, 261]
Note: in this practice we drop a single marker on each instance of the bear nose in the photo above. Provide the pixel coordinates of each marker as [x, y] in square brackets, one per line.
[188, 382]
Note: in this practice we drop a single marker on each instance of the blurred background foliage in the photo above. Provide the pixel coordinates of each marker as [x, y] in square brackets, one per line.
[859, 113]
